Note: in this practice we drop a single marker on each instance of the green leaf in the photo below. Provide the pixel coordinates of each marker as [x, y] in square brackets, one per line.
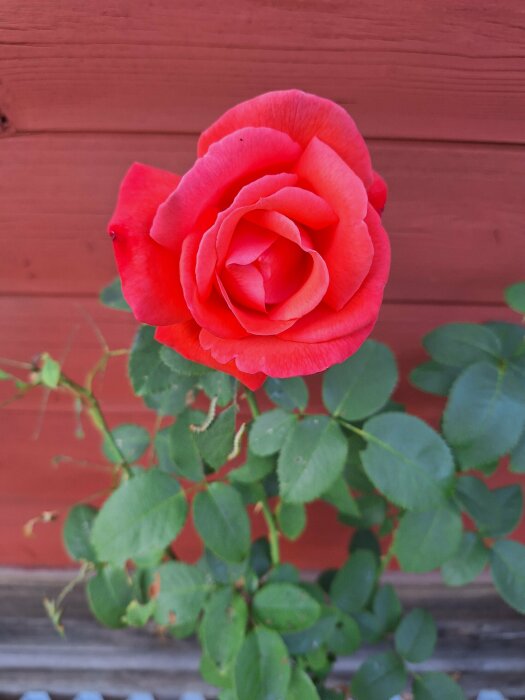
[172, 400]
[183, 589]
[340, 496]
[254, 469]
[372, 511]
[366, 539]
[132, 440]
[517, 456]
[77, 533]
[219, 385]
[283, 573]
[223, 627]
[260, 557]
[214, 676]
[222, 572]
[436, 686]
[269, 431]
[467, 563]
[291, 518]
[387, 608]
[354, 583]
[50, 371]
[462, 344]
[346, 637]
[301, 687]
[416, 636]
[215, 444]
[145, 513]
[407, 460]
[497, 512]
[434, 378]
[222, 522]
[508, 572]
[177, 449]
[112, 296]
[289, 393]
[362, 384]
[511, 336]
[109, 594]
[180, 365]
[285, 607]
[425, 540]
[314, 637]
[515, 297]
[484, 416]
[380, 677]
[262, 669]
[138, 614]
[311, 459]
[144, 360]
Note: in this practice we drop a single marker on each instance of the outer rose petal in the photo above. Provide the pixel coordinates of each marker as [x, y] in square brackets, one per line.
[377, 193]
[248, 152]
[302, 116]
[284, 358]
[184, 338]
[346, 248]
[149, 272]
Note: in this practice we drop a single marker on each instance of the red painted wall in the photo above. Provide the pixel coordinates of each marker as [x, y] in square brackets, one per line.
[87, 88]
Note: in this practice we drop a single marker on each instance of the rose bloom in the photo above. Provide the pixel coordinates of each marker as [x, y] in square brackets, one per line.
[268, 257]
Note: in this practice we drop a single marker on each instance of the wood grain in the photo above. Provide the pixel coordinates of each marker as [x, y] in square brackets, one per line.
[455, 214]
[444, 69]
[479, 638]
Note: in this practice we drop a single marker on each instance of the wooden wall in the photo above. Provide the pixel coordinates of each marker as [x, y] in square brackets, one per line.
[436, 86]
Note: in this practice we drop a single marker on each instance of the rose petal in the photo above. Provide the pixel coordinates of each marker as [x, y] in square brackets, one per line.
[248, 195]
[324, 324]
[308, 296]
[184, 338]
[248, 152]
[301, 115]
[149, 272]
[244, 285]
[283, 358]
[346, 248]
[377, 193]
[301, 205]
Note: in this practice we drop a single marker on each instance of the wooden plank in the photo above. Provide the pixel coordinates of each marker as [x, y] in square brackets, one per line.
[455, 213]
[480, 638]
[447, 70]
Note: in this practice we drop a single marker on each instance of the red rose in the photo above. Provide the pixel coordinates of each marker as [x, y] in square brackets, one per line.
[268, 257]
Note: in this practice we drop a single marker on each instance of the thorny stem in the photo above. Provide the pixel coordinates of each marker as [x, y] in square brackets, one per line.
[97, 417]
[273, 532]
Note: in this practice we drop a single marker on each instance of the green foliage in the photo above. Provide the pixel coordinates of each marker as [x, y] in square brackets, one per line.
[362, 384]
[468, 561]
[131, 440]
[416, 636]
[381, 676]
[77, 533]
[508, 572]
[312, 457]
[427, 539]
[407, 461]
[109, 593]
[462, 344]
[262, 669]
[112, 296]
[216, 442]
[269, 431]
[146, 512]
[398, 483]
[287, 393]
[221, 521]
[496, 513]
[182, 592]
[285, 607]
[515, 297]
[355, 581]
[436, 686]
